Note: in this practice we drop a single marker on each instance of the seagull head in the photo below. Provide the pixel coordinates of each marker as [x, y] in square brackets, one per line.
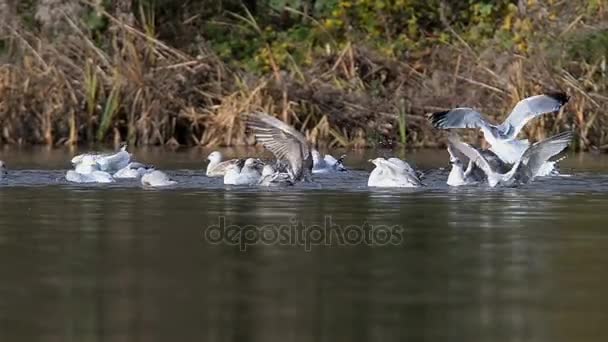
[377, 161]
[215, 157]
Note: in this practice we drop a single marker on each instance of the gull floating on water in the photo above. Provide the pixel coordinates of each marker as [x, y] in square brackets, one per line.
[93, 177]
[243, 172]
[271, 177]
[106, 162]
[327, 163]
[217, 167]
[502, 138]
[156, 179]
[525, 169]
[133, 170]
[87, 171]
[284, 142]
[393, 173]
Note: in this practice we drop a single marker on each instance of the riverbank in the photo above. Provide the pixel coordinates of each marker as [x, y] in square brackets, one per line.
[95, 74]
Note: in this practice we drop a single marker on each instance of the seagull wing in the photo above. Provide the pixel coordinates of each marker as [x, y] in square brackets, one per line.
[462, 117]
[472, 153]
[397, 166]
[530, 108]
[281, 139]
[542, 151]
[456, 154]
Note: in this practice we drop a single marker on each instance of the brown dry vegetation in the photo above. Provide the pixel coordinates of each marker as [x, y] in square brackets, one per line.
[67, 88]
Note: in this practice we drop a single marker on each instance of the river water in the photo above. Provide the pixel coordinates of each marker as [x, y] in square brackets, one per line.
[331, 261]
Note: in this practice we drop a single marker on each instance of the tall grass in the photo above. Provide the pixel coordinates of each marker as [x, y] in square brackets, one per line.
[133, 86]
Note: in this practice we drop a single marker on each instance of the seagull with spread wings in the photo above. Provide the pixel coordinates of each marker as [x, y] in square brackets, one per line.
[525, 169]
[503, 137]
[284, 142]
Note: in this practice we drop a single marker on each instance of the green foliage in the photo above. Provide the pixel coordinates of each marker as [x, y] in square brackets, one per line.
[589, 47]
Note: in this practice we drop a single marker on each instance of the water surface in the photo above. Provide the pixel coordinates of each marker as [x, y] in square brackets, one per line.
[122, 263]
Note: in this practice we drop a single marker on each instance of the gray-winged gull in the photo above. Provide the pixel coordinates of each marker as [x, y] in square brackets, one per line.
[133, 170]
[393, 173]
[271, 177]
[525, 169]
[502, 138]
[284, 142]
[217, 167]
[109, 162]
[327, 163]
[244, 172]
[156, 178]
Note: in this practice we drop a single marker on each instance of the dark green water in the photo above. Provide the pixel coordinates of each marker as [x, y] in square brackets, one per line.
[90, 263]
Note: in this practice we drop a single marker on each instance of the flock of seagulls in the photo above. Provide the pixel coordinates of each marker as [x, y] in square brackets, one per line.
[507, 162]
[107, 168]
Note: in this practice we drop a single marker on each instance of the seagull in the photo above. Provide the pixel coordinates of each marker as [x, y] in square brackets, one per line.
[217, 167]
[116, 161]
[244, 172]
[87, 171]
[156, 179]
[458, 174]
[2, 169]
[270, 177]
[502, 138]
[393, 173]
[472, 174]
[327, 163]
[107, 162]
[525, 169]
[133, 170]
[92, 177]
[284, 142]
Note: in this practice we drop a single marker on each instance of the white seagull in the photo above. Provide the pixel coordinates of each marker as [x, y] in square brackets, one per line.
[107, 162]
[458, 174]
[87, 171]
[244, 172]
[525, 169]
[284, 142]
[92, 177]
[156, 179]
[326, 164]
[393, 173]
[217, 167]
[133, 170]
[502, 138]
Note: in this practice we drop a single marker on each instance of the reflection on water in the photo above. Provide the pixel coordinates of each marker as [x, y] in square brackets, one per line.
[125, 264]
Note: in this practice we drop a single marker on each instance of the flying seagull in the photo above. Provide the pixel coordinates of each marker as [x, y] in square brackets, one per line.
[284, 142]
[525, 169]
[502, 137]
